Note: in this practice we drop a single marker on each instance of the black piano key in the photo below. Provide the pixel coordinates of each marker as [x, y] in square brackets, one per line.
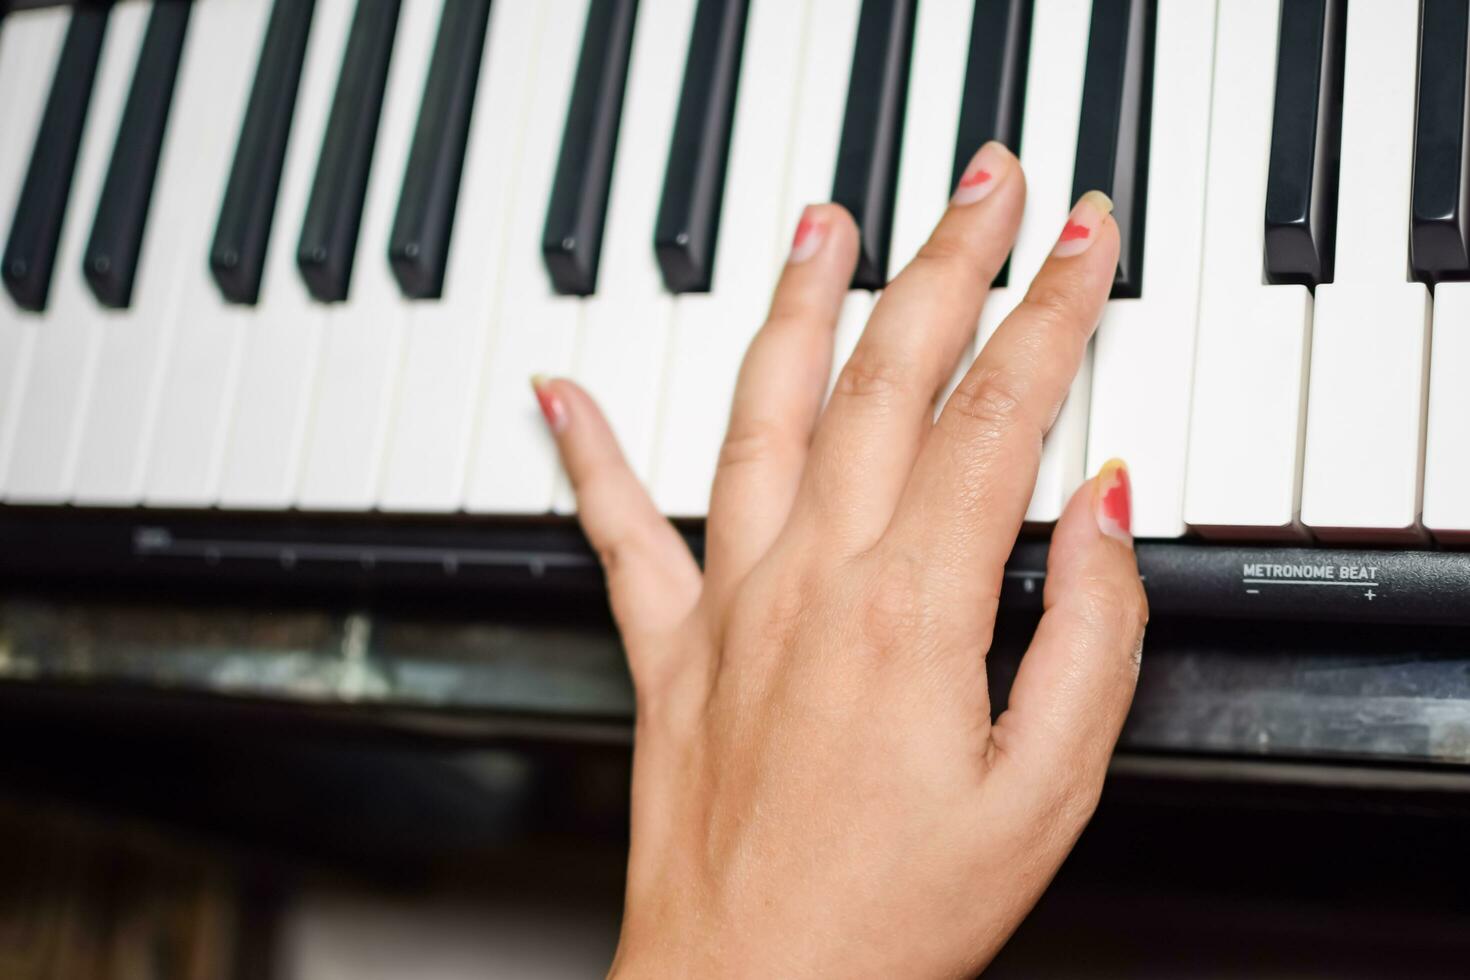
[30, 253]
[995, 84]
[237, 256]
[1113, 134]
[1441, 229]
[995, 79]
[334, 211]
[694, 184]
[110, 263]
[1301, 183]
[571, 244]
[872, 131]
[418, 247]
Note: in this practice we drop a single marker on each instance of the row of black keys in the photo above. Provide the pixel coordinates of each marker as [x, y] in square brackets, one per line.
[1112, 149]
[1301, 198]
[1112, 146]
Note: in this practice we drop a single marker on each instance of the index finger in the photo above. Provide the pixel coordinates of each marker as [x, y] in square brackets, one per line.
[882, 405]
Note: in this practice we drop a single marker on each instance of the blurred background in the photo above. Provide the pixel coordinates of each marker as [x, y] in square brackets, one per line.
[264, 790]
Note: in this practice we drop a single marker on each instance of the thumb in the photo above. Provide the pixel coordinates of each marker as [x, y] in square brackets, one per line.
[1076, 681]
[652, 579]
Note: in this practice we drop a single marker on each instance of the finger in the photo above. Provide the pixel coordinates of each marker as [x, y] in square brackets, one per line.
[882, 404]
[777, 398]
[1076, 681]
[971, 486]
[652, 579]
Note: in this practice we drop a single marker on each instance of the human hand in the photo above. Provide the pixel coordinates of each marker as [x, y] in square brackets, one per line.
[818, 786]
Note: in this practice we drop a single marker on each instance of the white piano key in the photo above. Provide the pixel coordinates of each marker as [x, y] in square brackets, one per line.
[1143, 358]
[30, 43]
[1365, 414]
[1249, 394]
[930, 127]
[444, 356]
[1048, 151]
[513, 462]
[211, 338]
[857, 306]
[214, 78]
[622, 345]
[712, 330]
[822, 101]
[1370, 338]
[363, 337]
[57, 376]
[1447, 451]
[826, 72]
[282, 335]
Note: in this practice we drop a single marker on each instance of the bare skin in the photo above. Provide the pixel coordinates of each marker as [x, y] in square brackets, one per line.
[819, 788]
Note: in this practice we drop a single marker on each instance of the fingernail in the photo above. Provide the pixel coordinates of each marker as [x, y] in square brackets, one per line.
[982, 175]
[810, 234]
[1087, 216]
[552, 407]
[1112, 501]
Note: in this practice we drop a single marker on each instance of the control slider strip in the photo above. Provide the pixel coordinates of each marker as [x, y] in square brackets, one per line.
[1182, 578]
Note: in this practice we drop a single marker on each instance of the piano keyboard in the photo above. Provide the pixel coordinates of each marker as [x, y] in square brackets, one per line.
[305, 256]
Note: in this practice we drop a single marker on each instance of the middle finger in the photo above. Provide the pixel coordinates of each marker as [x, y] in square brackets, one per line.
[881, 408]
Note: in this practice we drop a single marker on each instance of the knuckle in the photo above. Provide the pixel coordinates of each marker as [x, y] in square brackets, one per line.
[952, 258]
[612, 554]
[892, 610]
[1117, 608]
[1139, 607]
[787, 614]
[1066, 796]
[1073, 802]
[991, 401]
[755, 441]
[1054, 305]
[871, 374]
[776, 611]
[1057, 807]
[619, 545]
[622, 548]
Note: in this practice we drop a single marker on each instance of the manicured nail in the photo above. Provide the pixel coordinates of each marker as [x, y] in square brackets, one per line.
[552, 407]
[1112, 501]
[810, 234]
[1087, 216]
[982, 175]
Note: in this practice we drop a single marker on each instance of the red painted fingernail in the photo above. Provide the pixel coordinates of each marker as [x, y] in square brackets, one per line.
[1087, 216]
[1112, 501]
[552, 407]
[810, 234]
[982, 175]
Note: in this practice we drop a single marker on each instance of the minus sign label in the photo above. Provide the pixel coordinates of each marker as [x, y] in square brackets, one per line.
[1252, 591]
